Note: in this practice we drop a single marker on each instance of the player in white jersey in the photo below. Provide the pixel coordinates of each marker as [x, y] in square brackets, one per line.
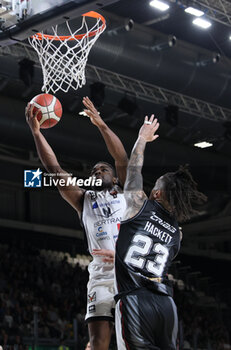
[100, 212]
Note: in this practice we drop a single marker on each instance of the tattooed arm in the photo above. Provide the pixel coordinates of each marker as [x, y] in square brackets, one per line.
[133, 188]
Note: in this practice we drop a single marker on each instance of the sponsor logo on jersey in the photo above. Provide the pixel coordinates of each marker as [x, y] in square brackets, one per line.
[103, 238]
[93, 195]
[107, 221]
[91, 308]
[114, 201]
[114, 193]
[115, 237]
[163, 223]
[91, 297]
[95, 205]
[100, 232]
[107, 212]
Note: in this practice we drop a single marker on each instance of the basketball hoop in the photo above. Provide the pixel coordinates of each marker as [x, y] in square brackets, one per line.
[64, 58]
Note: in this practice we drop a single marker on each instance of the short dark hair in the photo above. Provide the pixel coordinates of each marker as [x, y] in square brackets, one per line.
[181, 193]
[108, 164]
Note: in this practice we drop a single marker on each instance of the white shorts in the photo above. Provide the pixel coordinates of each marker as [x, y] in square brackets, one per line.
[100, 300]
[118, 327]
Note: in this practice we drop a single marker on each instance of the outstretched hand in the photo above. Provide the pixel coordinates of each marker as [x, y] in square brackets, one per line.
[92, 112]
[106, 254]
[149, 128]
[31, 118]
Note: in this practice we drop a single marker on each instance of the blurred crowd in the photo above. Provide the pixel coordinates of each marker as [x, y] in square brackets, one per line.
[33, 287]
[201, 327]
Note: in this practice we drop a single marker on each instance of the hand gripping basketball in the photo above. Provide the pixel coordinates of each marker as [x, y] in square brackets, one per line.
[47, 109]
[31, 118]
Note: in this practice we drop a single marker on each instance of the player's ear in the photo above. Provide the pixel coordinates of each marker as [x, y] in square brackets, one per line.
[114, 180]
[156, 194]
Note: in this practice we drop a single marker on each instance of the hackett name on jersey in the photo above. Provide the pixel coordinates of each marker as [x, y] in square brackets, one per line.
[108, 221]
[155, 231]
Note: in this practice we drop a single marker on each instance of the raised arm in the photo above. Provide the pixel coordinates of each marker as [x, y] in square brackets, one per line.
[114, 145]
[133, 188]
[72, 194]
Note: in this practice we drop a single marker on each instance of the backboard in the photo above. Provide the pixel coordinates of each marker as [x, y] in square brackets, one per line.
[20, 19]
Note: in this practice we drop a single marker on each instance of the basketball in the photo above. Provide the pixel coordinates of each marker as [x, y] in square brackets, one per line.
[51, 110]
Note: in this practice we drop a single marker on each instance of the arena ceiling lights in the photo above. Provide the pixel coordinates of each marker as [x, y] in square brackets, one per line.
[160, 5]
[202, 23]
[193, 11]
[203, 144]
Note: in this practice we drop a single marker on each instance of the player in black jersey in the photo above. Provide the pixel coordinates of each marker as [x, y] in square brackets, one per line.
[149, 239]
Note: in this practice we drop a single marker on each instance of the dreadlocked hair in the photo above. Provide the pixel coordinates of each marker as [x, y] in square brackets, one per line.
[182, 194]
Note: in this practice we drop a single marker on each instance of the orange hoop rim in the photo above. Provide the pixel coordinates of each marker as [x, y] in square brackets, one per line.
[92, 14]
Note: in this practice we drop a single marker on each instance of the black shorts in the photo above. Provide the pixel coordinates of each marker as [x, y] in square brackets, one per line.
[146, 321]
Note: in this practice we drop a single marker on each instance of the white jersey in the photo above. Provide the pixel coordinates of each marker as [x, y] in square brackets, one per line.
[101, 217]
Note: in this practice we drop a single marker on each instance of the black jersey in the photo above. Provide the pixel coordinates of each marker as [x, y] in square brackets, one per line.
[145, 248]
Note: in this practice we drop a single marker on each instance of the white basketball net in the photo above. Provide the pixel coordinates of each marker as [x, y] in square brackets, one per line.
[64, 61]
